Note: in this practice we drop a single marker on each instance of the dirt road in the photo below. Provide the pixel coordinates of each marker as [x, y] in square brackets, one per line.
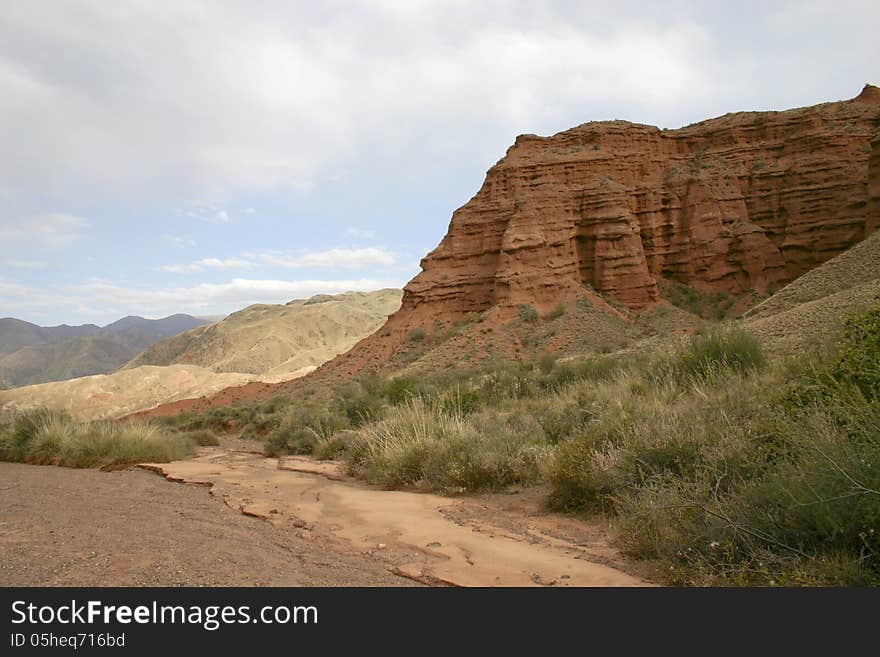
[288, 521]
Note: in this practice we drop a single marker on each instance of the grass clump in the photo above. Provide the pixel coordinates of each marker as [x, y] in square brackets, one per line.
[423, 446]
[720, 348]
[54, 438]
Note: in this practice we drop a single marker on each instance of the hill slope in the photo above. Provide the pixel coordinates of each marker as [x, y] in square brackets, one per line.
[16, 333]
[125, 391]
[810, 310]
[276, 340]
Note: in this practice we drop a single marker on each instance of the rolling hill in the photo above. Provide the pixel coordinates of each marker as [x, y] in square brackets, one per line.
[277, 340]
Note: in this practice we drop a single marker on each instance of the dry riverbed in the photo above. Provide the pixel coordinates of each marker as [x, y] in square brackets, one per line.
[250, 520]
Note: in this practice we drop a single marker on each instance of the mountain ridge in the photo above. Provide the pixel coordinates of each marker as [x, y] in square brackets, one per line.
[43, 354]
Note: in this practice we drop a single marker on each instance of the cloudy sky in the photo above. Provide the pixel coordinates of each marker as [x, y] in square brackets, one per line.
[198, 156]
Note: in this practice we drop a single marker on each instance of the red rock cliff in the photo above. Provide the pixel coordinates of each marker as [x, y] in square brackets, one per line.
[873, 220]
[744, 201]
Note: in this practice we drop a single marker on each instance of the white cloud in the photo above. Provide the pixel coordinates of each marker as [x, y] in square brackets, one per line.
[221, 297]
[51, 231]
[338, 258]
[331, 258]
[27, 264]
[359, 233]
[300, 93]
[208, 263]
[13, 289]
[178, 242]
[103, 300]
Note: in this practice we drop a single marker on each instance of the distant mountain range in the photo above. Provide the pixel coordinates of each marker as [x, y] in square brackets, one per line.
[261, 343]
[37, 354]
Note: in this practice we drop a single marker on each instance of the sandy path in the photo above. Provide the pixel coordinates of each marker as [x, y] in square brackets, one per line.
[428, 538]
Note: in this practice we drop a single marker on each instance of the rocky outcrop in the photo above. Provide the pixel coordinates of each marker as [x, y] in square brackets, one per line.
[610, 210]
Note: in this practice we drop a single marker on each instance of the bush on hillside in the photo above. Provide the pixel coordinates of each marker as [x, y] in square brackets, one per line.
[720, 348]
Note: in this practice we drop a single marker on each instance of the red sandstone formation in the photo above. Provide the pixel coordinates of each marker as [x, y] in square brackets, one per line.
[873, 220]
[744, 201]
[612, 209]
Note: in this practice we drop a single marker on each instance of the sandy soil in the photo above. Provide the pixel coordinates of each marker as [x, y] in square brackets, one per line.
[250, 520]
[501, 540]
[65, 527]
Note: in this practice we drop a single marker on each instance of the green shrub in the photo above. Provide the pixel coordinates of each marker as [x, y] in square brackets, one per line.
[460, 402]
[400, 389]
[416, 335]
[528, 313]
[858, 360]
[202, 438]
[708, 305]
[560, 418]
[333, 446]
[581, 475]
[546, 363]
[361, 408]
[301, 429]
[720, 349]
[556, 313]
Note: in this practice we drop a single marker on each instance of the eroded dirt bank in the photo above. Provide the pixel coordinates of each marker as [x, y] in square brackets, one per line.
[489, 541]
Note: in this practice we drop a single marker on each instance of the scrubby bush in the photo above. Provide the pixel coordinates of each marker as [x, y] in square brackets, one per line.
[401, 389]
[556, 313]
[858, 360]
[528, 313]
[458, 401]
[720, 348]
[360, 408]
[417, 335]
[302, 428]
[50, 437]
[202, 438]
[418, 445]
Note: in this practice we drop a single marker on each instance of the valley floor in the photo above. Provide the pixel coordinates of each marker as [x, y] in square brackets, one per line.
[276, 522]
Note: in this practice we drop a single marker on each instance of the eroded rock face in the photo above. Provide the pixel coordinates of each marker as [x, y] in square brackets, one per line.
[744, 201]
[873, 220]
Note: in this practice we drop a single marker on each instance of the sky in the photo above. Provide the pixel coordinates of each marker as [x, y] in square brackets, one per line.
[199, 156]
